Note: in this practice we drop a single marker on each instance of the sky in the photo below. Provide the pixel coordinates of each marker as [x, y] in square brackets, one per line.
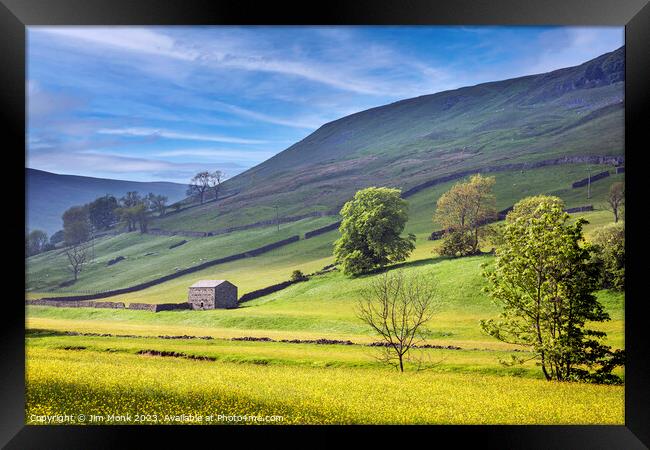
[162, 103]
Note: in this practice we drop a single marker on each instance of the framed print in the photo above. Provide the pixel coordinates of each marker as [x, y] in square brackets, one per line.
[369, 217]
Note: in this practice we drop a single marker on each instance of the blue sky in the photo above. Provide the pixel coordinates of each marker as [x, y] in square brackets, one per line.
[161, 103]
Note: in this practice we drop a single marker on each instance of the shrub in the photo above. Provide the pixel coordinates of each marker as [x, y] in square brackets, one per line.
[297, 275]
[457, 243]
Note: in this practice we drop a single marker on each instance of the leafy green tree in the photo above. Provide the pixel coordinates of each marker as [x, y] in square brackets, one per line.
[609, 254]
[158, 203]
[57, 237]
[463, 210]
[142, 215]
[530, 207]
[129, 210]
[370, 231]
[543, 280]
[36, 242]
[102, 212]
[76, 225]
[128, 216]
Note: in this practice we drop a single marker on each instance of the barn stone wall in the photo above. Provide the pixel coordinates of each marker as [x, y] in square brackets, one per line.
[201, 297]
[226, 296]
[223, 295]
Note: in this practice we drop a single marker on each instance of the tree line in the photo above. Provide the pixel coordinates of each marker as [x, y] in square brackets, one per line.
[543, 278]
[133, 210]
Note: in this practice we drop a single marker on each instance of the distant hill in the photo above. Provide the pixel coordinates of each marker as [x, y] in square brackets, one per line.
[575, 111]
[50, 194]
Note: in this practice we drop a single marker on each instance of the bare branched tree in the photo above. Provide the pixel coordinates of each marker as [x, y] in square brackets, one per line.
[216, 178]
[199, 185]
[616, 199]
[396, 307]
[77, 256]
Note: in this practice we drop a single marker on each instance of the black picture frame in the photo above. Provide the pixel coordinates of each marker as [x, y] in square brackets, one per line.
[15, 15]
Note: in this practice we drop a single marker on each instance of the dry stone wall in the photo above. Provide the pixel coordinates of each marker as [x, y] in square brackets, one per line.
[112, 305]
[325, 229]
[138, 287]
[585, 181]
[615, 160]
[262, 223]
[501, 215]
[76, 303]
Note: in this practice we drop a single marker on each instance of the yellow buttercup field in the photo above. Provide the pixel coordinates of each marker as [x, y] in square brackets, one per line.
[140, 389]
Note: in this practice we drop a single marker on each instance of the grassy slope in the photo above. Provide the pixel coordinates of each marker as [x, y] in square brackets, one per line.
[321, 307]
[149, 257]
[411, 141]
[46, 271]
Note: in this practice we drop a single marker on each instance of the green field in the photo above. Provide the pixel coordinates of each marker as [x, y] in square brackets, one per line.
[321, 307]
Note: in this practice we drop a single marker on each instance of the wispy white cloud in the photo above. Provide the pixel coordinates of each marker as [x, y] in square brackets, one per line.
[106, 91]
[305, 122]
[243, 54]
[140, 40]
[219, 154]
[567, 47]
[154, 132]
[115, 165]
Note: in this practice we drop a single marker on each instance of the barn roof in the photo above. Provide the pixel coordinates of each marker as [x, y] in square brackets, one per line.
[208, 283]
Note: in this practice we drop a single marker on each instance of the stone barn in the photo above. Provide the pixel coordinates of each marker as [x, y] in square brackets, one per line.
[212, 294]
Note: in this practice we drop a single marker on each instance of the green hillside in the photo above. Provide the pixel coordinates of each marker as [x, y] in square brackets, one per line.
[149, 257]
[572, 112]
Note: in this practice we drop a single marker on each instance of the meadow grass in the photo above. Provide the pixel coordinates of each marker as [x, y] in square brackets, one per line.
[114, 383]
[464, 360]
[324, 307]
